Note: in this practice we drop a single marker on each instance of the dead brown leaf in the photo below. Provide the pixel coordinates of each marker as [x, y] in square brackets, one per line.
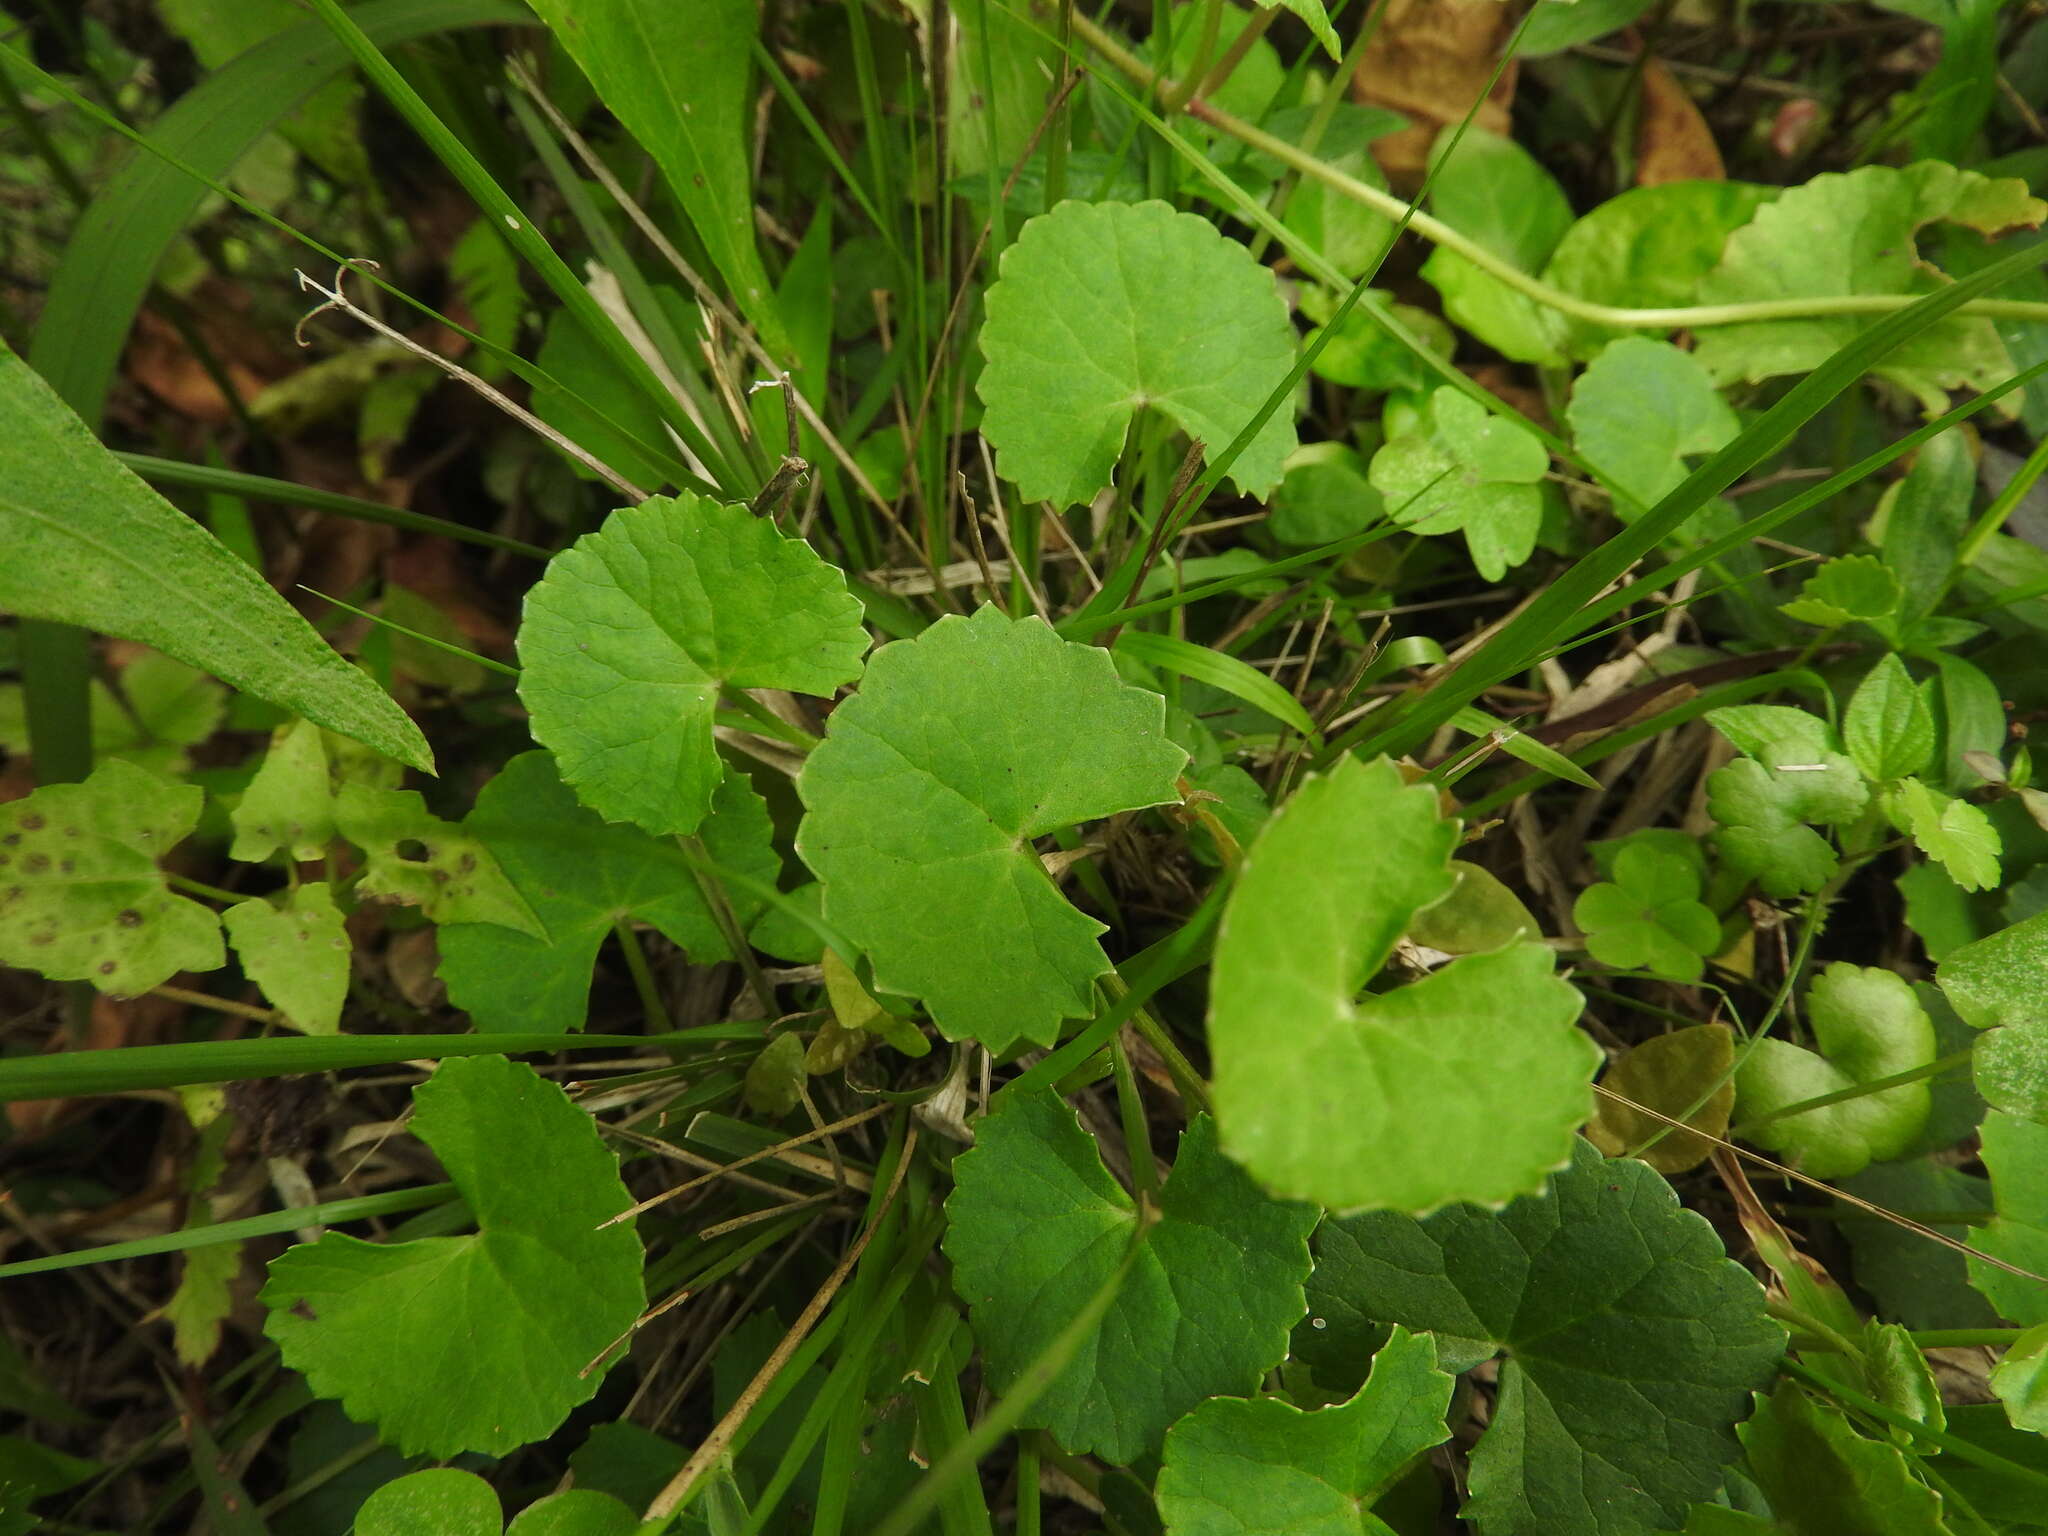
[1430, 60]
[1673, 141]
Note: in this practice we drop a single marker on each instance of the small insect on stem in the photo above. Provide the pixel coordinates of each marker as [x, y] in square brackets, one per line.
[793, 469]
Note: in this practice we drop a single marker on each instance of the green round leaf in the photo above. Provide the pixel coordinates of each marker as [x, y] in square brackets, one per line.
[1036, 1226]
[1105, 309]
[1480, 913]
[1650, 918]
[1764, 802]
[2015, 1153]
[1464, 468]
[1954, 833]
[961, 747]
[1498, 194]
[81, 897]
[1868, 1025]
[453, 1344]
[441, 1501]
[1636, 413]
[1465, 1086]
[2000, 983]
[1632, 1342]
[583, 876]
[1237, 1468]
[629, 636]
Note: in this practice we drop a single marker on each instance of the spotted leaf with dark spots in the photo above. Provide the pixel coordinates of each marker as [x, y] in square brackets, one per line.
[81, 896]
[413, 857]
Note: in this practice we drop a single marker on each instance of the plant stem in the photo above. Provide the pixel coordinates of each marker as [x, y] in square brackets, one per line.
[1688, 317]
[1137, 1134]
[200, 888]
[218, 1004]
[1856, 1091]
[728, 921]
[643, 976]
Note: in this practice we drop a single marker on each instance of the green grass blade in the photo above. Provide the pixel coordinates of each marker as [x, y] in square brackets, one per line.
[76, 1074]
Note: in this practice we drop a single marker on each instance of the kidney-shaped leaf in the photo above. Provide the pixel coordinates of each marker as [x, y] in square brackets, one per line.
[1632, 1341]
[81, 897]
[453, 1344]
[633, 630]
[1105, 309]
[961, 747]
[1466, 1085]
[88, 543]
[582, 876]
[444, 1501]
[1036, 1226]
[1238, 1468]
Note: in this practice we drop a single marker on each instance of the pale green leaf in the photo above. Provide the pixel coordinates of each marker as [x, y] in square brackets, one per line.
[1854, 233]
[1999, 983]
[1238, 1468]
[1220, 671]
[582, 876]
[1650, 917]
[1036, 1226]
[1555, 25]
[414, 858]
[2021, 1380]
[1465, 1086]
[1104, 310]
[634, 629]
[478, 1343]
[1841, 591]
[1763, 804]
[677, 77]
[776, 1076]
[81, 896]
[1954, 833]
[961, 747]
[2015, 1154]
[1480, 913]
[1496, 193]
[1637, 411]
[1888, 728]
[1463, 468]
[1648, 247]
[298, 954]
[1867, 1025]
[89, 544]
[202, 1301]
[1318, 21]
[288, 806]
[1632, 1342]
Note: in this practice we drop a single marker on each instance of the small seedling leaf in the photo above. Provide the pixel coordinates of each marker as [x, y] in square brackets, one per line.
[297, 953]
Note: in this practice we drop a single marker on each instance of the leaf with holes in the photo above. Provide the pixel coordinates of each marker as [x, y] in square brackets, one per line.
[414, 858]
[1106, 310]
[81, 897]
[634, 629]
[1036, 1227]
[961, 747]
[1867, 1025]
[1632, 1342]
[1238, 1468]
[478, 1343]
[1465, 1086]
[582, 877]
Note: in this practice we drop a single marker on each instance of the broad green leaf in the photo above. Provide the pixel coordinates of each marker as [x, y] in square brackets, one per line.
[443, 1501]
[2021, 1380]
[1854, 233]
[325, 127]
[81, 897]
[1635, 414]
[1888, 728]
[1920, 1283]
[582, 877]
[2015, 1154]
[1763, 804]
[1104, 310]
[1632, 1342]
[1668, 1073]
[1036, 1226]
[1497, 193]
[1650, 916]
[1555, 25]
[1855, 587]
[1465, 468]
[75, 525]
[1954, 833]
[413, 857]
[590, 402]
[630, 635]
[1238, 1468]
[1757, 728]
[1648, 248]
[1867, 1025]
[1464, 1086]
[297, 953]
[1220, 671]
[997, 98]
[288, 806]
[1922, 519]
[1252, 86]
[1824, 1479]
[961, 747]
[677, 78]
[1325, 497]
[478, 1343]
[1999, 983]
